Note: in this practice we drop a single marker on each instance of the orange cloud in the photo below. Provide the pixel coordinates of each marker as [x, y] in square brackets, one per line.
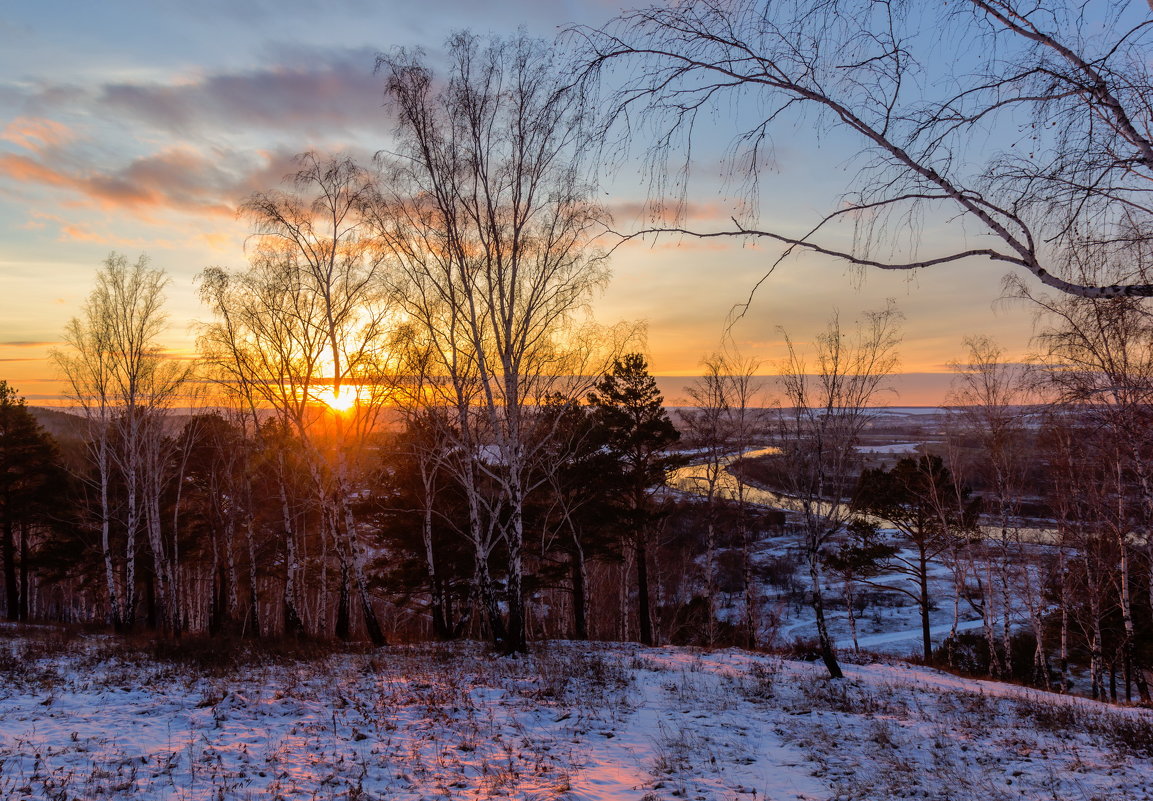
[26, 170]
[71, 232]
[665, 211]
[78, 233]
[37, 133]
[221, 243]
[178, 178]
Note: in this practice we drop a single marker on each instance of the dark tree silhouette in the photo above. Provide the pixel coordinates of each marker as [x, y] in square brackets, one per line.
[638, 431]
[578, 513]
[920, 499]
[30, 482]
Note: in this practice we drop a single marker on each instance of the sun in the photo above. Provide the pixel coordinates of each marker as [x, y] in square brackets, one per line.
[339, 401]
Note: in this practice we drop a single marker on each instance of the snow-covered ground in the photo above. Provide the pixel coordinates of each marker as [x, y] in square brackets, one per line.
[87, 719]
[893, 448]
[892, 627]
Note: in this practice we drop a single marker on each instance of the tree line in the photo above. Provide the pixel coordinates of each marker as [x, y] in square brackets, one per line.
[442, 292]
[415, 423]
[381, 521]
[1029, 511]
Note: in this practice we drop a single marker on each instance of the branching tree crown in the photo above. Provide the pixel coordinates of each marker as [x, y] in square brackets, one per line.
[493, 225]
[1028, 123]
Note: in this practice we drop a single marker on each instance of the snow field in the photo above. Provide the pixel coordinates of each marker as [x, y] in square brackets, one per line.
[89, 719]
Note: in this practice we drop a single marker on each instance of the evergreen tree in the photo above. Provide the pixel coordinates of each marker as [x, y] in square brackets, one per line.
[920, 498]
[630, 409]
[421, 515]
[29, 472]
[576, 509]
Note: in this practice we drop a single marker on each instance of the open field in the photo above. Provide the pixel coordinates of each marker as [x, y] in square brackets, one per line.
[86, 718]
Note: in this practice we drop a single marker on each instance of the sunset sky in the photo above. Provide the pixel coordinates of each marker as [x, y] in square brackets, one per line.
[137, 126]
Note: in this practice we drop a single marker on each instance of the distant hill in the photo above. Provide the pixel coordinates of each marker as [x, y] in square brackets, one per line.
[69, 425]
[60, 424]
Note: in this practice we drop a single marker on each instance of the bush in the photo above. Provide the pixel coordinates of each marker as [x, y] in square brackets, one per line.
[1130, 735]
[968, 653]
[687, 625]
[761, 680]
[220, 656]
[804, 649]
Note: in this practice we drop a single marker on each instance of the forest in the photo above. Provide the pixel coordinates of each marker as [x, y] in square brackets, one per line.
[403, 517]
[403, 423]
[409, 507]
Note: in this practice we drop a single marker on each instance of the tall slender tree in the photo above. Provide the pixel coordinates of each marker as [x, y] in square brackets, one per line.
[303, 332]
[1098, 359]
[487, 209]
[989, 393]
[720, 425]
[125, 384]
[630, 408]
[31, 486]
[820, 430]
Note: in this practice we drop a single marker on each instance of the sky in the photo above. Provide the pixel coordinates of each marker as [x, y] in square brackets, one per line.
[138, 126]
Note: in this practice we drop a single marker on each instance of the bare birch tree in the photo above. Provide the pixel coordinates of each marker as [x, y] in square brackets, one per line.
[303, 332]
[121, 378]
[487, 210]
[707, 433]
[819, 431]
[265, 362]
[748, 426]
[989, 394]
[721, 425]
[1098, 360]
[1021, 121]
[323, 232]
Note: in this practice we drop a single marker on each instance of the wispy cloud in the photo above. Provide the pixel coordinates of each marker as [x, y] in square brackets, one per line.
[180, 178]
[321, 92]
[99, 142]
[664, 211]
[74, 232]
[23, 169]
[37, 134]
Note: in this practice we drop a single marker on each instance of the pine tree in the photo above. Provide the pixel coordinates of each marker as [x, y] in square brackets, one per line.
[630, 408]
[29, 472]
[921, 500]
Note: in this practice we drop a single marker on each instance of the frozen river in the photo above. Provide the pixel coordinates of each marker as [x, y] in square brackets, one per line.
[694, 478]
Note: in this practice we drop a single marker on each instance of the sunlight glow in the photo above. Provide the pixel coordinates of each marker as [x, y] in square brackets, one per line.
[339, 401]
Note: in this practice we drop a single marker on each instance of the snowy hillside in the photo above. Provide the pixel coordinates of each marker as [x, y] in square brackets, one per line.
[87, 718]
